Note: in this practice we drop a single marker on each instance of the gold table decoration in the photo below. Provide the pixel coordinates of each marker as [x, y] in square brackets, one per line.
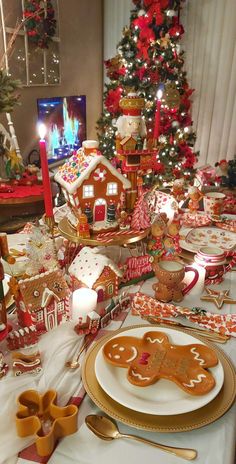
[70, 234]
[153, 423]
[218, 297]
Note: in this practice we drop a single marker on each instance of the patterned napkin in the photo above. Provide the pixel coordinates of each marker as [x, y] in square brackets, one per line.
[228, 224]
[222, 323]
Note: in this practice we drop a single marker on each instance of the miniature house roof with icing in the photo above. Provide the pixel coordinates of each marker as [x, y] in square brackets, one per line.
[79, 167]
[89, 265]
[37, 291]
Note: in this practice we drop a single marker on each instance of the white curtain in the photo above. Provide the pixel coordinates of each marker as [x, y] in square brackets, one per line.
[116, 16]
[210, 61]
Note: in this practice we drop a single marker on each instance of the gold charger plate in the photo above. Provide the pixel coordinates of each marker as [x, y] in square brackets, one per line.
[153, 423]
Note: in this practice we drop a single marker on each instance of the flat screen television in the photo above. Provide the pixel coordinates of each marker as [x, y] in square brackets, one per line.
[65, 120]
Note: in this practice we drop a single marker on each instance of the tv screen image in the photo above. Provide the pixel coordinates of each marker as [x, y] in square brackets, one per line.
[65, 120]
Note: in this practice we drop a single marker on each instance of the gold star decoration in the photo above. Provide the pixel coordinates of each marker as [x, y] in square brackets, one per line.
[218, 297]
[164, 41]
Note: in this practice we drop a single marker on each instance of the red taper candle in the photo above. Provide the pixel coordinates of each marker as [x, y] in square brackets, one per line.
[47, 192]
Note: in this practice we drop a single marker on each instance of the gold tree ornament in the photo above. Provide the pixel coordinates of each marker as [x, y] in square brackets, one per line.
[164, 41]
[172, 96]
[129, 89]
[126, 31]
[114, 65]
[149, 105]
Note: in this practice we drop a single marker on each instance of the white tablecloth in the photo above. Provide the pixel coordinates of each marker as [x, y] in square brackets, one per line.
[215, 443]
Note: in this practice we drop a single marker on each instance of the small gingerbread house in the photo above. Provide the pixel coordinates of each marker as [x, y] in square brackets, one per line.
[128, 143]
[93, 270]
[91, 183]
[43, 301]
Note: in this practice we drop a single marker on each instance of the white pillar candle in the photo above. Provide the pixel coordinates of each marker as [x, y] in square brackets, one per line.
[84, 300]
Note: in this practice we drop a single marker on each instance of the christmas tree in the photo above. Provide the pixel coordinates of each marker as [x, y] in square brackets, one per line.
[150, 62]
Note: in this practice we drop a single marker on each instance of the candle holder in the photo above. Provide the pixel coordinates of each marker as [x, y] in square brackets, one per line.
[51, 224]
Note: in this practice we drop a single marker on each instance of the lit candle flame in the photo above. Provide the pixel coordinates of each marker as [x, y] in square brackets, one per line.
[42, 131]
[159, 94]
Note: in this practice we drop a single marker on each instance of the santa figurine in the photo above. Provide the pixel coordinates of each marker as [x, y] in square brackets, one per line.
[131, 124]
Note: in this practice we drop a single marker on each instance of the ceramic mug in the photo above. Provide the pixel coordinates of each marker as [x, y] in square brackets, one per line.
[213, 259]
[170, 276]
[213, 203]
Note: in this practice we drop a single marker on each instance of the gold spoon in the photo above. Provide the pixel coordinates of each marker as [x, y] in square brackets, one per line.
[107, 430]
[74, 364]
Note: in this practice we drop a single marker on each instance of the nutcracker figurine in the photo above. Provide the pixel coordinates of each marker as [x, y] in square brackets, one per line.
[4, 254]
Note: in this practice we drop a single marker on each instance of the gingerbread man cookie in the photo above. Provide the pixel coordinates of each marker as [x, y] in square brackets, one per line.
[153, 357]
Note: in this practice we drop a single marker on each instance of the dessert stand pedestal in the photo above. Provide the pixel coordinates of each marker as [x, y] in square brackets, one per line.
[125, 240]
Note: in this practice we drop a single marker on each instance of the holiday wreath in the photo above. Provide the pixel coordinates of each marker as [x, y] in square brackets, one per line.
[41, 24]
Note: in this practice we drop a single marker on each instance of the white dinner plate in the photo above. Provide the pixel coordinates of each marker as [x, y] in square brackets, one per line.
[194, 239]
[162, 398]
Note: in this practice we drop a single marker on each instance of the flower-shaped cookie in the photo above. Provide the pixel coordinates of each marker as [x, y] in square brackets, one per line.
[153, 357]
[40, 416]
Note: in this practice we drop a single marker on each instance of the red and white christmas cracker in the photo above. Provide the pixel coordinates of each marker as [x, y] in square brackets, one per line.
[144, 305]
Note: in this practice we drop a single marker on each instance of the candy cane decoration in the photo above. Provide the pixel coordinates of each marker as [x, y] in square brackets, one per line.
[108, 236]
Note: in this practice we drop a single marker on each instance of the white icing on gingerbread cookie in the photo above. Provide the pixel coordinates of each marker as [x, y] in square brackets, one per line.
[139, 376]
[154, 340]
[194, 381]
[197, 356]
[135, 352]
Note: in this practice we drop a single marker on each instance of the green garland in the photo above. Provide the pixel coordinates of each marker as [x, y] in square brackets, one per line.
[41, 24]
[9, 96]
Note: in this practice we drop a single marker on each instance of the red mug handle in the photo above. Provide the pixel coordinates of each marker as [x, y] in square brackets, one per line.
[193, 282]
[232, 255]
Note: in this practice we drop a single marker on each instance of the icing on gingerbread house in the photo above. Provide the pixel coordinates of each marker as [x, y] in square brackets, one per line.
[91, 184]
[93, 270]
[43, 301]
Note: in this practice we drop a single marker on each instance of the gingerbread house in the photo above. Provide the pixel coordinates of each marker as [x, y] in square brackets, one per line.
[93, 270]
[91, 185]
[43, 301]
